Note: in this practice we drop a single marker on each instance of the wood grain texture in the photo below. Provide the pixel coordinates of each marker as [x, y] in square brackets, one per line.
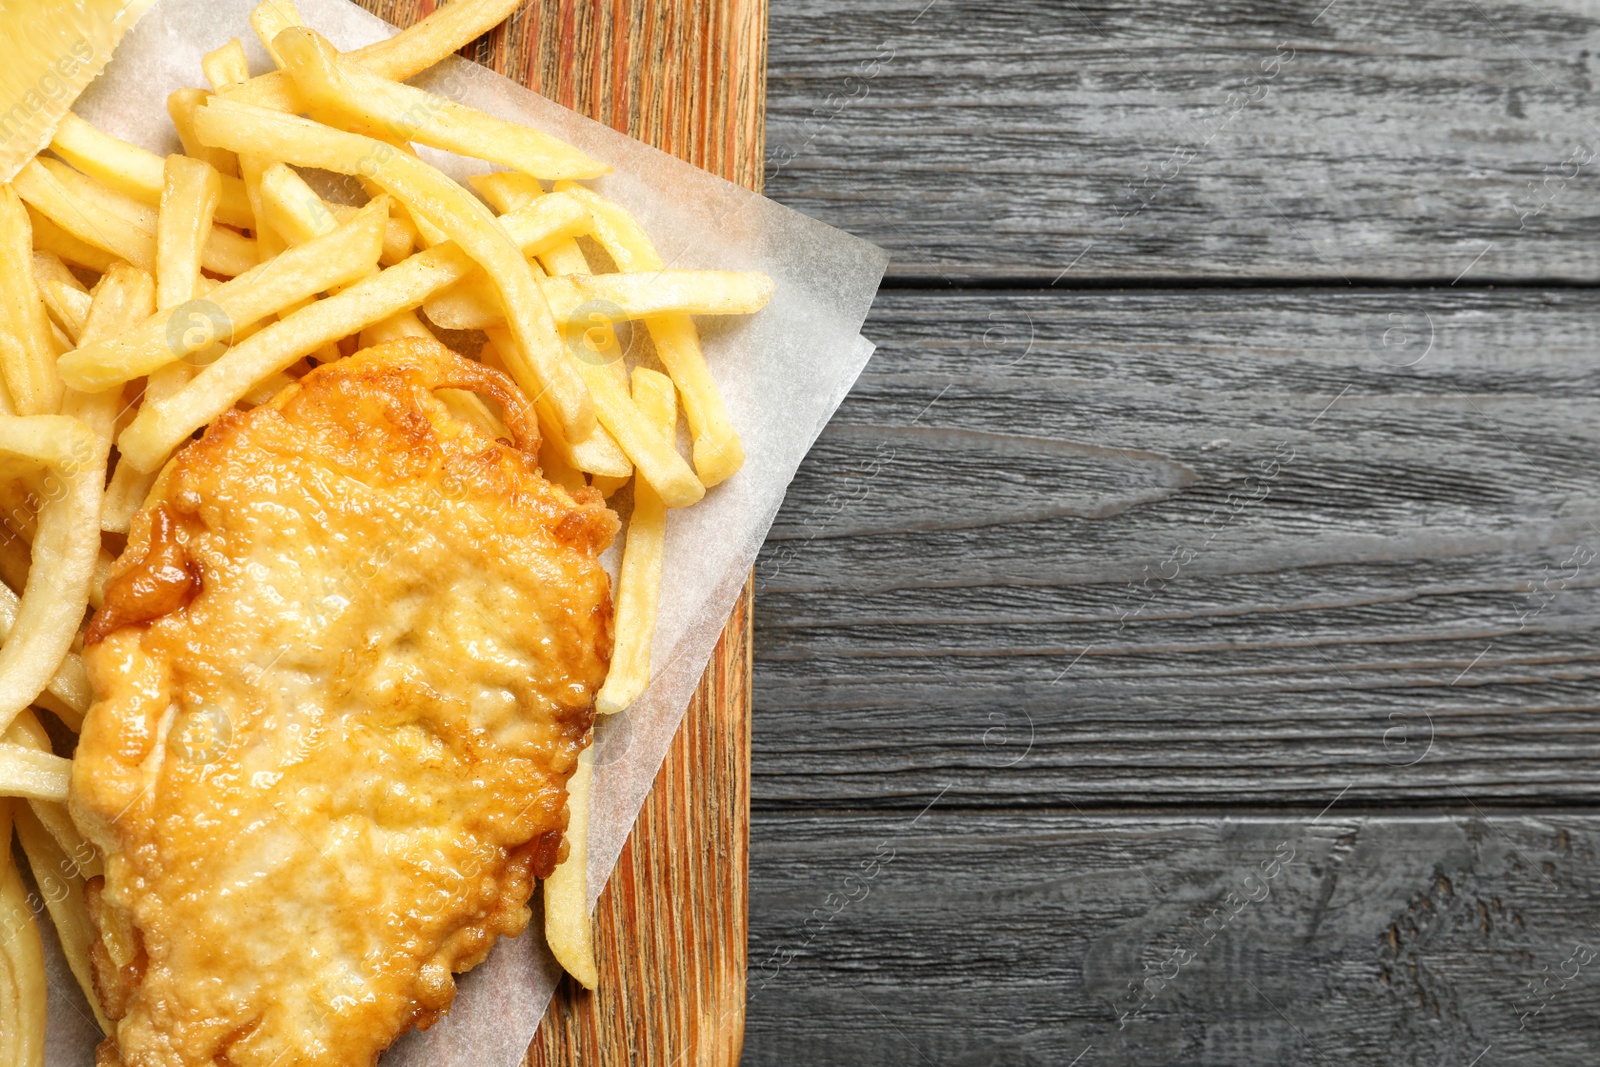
[1024, 939]
[1099, 597]
[1194, 547]
[996, 139]
[687, 76]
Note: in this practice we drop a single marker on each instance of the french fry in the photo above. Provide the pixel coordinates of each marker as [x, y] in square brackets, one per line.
[510, 192]
[116, 222]
[161, 426]
[296, 211]
[48, 237]
[412, 51]
[336, 259]
[297, 214]
[639, 585]
[552, 221]
[395, 328]
[448, 30]
[20, 500]
[97, 589]
[567, 926]
[125, 495]
[23, 987]
[608, 486]
[264, 390]
[293, 208]
[188, 206]
[65, 298]
[537, 360]
[428, 234]
[564, 259]
[341, 86]
[125, 297]
[226, 67]
[29, 732]
[47, 441]
[65, 552]
[271, 18]
[130, 169]
[578, 299]
[33, 775]
[52, 191]
[718, 454]
[61, 885]
[400, 238]
[228, 253]
[181, 106]
[27, 354]
[43, 624]
[252, 168]
[67, 694]
[399, 234]
[130, 486]
[506, 190]
[597, 454]
[667, 292]
[516, 194]
[656, 461]
[518, 222]
[555, 468]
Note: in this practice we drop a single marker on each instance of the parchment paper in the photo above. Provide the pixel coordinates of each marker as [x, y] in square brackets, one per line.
[783, 372]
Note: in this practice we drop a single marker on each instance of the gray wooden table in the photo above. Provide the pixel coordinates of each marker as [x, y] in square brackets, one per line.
[1182, 647]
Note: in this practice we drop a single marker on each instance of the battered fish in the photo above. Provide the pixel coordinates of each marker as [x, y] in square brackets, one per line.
[343, 674]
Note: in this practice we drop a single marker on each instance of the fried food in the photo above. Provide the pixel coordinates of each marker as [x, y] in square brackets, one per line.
[22, 977]
[538, 361]
[344, 671]
[639, 584]
[335, 692]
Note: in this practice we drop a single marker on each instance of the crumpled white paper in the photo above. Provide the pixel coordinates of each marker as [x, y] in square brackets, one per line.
[783, 372]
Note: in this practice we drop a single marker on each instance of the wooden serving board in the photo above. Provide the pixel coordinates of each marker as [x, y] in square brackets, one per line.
[689, 77]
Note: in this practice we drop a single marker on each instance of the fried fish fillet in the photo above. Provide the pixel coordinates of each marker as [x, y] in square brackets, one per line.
[343, 673]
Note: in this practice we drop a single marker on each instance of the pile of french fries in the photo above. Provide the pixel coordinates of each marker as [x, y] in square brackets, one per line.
[142, 297]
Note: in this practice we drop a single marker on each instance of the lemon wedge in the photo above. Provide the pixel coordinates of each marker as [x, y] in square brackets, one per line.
[49, 51]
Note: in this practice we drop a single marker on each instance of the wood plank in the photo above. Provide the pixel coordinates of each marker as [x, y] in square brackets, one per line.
[687, 76]
[1203, 547]
[978, 938]
[992, 139]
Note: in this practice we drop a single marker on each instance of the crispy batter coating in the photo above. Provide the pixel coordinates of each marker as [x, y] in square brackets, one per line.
[342, 675]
